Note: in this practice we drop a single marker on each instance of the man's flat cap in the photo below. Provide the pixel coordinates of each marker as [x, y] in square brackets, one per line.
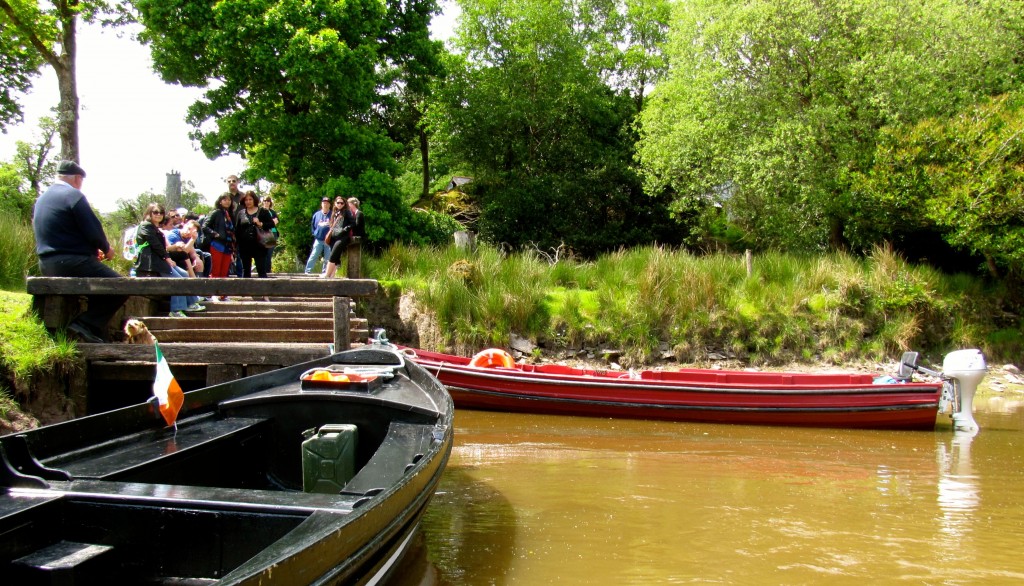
[70, 168]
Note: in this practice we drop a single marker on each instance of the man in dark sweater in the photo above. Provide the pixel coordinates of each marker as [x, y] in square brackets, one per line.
[70, 242]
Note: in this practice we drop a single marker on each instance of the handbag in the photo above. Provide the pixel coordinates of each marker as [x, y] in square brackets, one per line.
[266, 238]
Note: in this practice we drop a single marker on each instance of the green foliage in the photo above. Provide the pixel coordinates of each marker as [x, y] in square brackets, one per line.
[834, 308]
[291, 85]
[769, 105]
[19, 253]
[538, 107]
[16, 200]
[962, 176]
[26, 349]
[387, 218]
[19, 60]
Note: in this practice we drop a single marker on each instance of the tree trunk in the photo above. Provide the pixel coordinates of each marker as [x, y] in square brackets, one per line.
[836, 239]
[67, 84]
[425, 159]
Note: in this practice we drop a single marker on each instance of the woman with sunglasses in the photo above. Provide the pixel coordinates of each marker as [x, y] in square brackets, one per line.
[155, 261]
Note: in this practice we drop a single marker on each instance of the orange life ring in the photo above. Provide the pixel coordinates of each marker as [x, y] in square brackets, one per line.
[492, 358]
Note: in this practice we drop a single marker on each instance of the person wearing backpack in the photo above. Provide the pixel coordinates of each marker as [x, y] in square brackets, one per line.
[155, 261]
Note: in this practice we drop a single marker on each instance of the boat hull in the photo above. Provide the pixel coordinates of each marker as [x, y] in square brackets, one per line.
[827, 400]
[120, 498]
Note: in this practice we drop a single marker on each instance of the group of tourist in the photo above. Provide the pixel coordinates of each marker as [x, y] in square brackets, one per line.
[70, 242]
[334, 228]
[169, 243]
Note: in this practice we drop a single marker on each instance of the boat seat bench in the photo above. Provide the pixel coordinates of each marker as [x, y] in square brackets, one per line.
[110, 462]
[405, 443]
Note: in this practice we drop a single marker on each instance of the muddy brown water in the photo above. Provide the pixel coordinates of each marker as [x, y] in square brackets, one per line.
[530, 499]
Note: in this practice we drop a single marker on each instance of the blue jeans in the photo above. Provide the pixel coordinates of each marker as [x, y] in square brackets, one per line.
[181, 302]
[319, 252]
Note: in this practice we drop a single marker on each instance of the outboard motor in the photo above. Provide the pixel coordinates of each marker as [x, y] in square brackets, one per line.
[962, 372]
[965, 369]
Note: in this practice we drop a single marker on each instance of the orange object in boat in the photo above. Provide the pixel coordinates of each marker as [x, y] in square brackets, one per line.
[492, 358]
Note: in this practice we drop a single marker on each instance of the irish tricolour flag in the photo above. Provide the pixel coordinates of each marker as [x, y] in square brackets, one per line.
[166, 389]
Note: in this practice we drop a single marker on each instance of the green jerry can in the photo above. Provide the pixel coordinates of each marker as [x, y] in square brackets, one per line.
[329, 458]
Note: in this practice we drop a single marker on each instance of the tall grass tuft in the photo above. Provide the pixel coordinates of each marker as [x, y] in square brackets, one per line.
[18, 259]
[834, 307]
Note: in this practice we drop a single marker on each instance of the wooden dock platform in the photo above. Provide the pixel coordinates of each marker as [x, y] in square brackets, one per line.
[266, 324]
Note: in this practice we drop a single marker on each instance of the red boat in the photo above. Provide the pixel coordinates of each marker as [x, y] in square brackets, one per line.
[492, 381]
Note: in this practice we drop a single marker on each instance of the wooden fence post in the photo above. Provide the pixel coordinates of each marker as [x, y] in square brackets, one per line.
[355, 258]
[341, 326]
[749, 259]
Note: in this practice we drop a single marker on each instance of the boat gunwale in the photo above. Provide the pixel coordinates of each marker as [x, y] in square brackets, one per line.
[681, 406]
[537, 379]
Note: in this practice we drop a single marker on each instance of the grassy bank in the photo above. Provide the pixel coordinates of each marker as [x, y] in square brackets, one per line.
[832, 308]
[27, 352]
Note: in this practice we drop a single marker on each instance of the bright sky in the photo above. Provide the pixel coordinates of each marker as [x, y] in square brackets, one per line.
[132, 128]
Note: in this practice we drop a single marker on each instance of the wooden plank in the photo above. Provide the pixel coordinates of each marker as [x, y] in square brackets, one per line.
[254, 336]
[254, 369]
[204, 353]
[291, 286]
[252, 321]
[323, 307]
[222, 373]
[136, 371]
[213, 310]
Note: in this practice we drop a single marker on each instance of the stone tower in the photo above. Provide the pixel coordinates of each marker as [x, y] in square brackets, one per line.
[173, 190]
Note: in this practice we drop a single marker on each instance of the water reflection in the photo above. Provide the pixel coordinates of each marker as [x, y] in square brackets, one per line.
[541, 500]
[958, 486]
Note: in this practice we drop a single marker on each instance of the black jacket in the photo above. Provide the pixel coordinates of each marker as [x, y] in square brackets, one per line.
[245, 230]
[153, 251]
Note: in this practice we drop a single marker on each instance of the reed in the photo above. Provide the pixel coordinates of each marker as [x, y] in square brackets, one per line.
[833, 307]
[18, 259]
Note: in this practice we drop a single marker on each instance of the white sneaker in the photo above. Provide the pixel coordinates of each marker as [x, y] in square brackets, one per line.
[177, 314]
[196, 307]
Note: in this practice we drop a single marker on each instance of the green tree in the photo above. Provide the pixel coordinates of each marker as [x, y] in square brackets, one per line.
[537, 107]
[962, 175]
[33, 159]
[16, 199]
[19, 60]
[770, 106]
[298, 87]
[36, 32]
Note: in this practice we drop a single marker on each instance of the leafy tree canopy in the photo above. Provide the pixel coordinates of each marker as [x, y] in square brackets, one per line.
[770, 105]
[290, 84]
[37, 32]
[301, 89]
[963, 175]
[537, 107]
[19, 59]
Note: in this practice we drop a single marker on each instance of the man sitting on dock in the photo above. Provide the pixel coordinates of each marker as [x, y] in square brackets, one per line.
[70, 242]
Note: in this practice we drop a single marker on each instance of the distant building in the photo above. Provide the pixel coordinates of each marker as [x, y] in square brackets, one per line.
[457, 182]
[173, 190]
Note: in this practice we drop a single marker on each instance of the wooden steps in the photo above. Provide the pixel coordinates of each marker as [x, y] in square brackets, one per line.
[244, 320]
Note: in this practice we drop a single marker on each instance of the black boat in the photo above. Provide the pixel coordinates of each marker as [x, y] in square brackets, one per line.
[313, 474]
